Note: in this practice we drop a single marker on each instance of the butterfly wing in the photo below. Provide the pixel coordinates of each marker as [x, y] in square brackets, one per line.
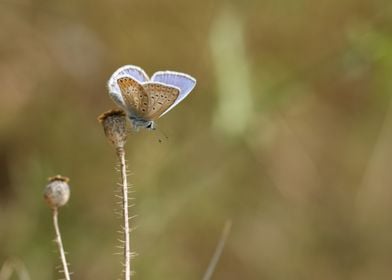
[134, 96]
[160, 98]
[132, 71]
[182, 81]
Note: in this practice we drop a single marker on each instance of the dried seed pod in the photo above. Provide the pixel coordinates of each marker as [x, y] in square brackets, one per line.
[114, 124]
[57, 191]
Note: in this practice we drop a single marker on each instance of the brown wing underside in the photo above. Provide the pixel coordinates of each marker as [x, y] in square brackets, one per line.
[160, 98]
[148, 101]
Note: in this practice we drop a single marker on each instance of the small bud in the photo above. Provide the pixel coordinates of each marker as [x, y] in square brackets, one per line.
[57, 191]
[114, 124]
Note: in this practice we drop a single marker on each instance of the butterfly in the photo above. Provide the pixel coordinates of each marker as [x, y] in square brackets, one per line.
[145, 100]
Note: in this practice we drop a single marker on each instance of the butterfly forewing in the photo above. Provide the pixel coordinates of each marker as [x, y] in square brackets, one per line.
[134, 95]
[133, 71]
[160, 98]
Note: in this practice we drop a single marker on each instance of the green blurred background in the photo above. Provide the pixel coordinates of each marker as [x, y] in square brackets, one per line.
[288, 133]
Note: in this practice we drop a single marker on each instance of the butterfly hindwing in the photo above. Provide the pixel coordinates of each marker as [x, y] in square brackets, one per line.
[184, 82]
[160, 98]
[134, 95]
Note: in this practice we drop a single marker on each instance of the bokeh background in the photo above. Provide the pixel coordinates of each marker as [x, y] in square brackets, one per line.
[288, 134]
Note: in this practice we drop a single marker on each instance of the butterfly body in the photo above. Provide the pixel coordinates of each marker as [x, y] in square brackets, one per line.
[145, 100]
[138, 122]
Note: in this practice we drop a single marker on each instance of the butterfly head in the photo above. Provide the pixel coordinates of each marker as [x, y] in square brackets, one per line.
[138, 123]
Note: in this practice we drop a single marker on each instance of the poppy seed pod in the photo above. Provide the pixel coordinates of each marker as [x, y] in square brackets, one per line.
[114, 125]
[57, 191]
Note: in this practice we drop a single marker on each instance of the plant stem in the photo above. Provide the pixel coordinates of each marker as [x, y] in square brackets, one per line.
[60, 243]
[127, 245]
[218, 251]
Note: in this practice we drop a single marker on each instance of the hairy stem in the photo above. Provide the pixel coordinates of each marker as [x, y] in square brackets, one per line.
[60, 243]
[127, 244]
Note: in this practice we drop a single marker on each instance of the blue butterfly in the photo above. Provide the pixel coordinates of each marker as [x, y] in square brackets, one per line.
[146, 100]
